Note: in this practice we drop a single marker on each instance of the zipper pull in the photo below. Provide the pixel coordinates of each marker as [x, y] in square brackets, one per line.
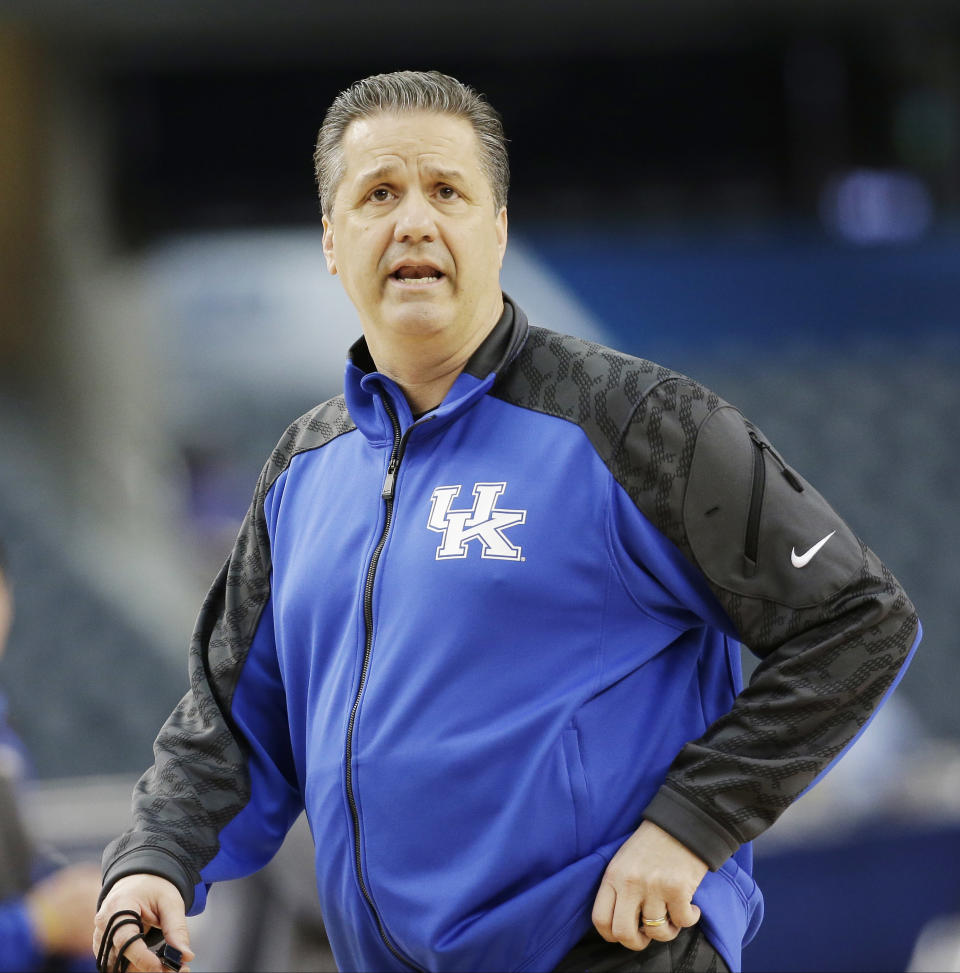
[787, 473]
[390, 479]
[791, 479]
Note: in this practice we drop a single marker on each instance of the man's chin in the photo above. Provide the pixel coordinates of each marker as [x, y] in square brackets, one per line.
[416, 318]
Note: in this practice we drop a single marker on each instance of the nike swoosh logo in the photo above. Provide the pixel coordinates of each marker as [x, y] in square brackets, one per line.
[802, 560]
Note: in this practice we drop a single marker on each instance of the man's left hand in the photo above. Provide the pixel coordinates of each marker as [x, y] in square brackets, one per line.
[652, 876]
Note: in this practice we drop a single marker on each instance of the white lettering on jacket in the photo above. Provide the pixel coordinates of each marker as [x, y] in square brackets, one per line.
[482, 522]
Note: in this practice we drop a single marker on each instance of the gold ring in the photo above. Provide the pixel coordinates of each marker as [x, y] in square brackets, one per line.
[662, 921]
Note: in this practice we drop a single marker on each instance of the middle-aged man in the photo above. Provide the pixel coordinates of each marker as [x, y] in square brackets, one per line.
[483, 617]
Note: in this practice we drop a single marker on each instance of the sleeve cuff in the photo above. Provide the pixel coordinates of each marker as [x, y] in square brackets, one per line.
[692, 827]
[149, 860]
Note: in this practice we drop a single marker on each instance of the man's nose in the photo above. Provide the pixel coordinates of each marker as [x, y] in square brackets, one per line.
[415, 219]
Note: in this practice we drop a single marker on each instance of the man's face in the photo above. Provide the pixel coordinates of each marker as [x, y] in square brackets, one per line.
[414, 235]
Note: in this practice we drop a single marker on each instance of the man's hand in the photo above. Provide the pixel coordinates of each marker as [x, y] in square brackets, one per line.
[158, 903]
[652, 876]
[61, 909]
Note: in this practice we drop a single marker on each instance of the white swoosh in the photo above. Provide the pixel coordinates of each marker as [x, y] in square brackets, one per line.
[802, 560]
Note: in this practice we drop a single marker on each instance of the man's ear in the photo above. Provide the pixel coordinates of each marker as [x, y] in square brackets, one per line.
[328, 246]
[502, 232]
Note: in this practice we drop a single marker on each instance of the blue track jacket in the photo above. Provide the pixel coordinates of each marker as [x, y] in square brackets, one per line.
[481, 646]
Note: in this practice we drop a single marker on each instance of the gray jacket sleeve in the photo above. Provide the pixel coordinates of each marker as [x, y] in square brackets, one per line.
[199, 780]
[830, 623]
[201, 777]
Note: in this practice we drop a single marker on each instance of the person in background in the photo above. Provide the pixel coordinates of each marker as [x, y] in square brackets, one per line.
[46, 910]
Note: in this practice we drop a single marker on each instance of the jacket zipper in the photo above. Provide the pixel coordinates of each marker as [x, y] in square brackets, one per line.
[387, 494]
[751, 542]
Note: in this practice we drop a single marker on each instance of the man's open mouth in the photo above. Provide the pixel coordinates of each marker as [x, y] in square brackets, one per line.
[417, 274]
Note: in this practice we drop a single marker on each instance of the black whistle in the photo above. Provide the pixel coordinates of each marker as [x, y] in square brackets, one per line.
[171, 957]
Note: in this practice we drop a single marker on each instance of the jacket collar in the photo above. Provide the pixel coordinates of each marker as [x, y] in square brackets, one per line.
[365, 388]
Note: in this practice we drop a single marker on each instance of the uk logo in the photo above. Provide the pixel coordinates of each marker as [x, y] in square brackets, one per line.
[482, 522]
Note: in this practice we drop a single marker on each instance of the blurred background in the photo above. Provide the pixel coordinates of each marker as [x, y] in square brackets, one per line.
[765, 196]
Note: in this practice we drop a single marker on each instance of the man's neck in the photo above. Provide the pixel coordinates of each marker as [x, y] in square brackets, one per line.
[426, 366]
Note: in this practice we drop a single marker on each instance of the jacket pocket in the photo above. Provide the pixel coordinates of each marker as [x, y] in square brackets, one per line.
[751, 542]
[578, 788]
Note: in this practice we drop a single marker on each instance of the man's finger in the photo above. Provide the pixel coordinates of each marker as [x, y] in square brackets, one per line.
[655, 921]
[139, 957]
[175, 930]
[683, 913]
[626, 924]
[603, 906]
[122, 926]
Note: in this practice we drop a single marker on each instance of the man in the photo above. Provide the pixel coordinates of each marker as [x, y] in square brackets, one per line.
[45, 911]
[482, 618]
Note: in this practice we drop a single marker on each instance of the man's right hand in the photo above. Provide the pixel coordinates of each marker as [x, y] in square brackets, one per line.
[159, 903]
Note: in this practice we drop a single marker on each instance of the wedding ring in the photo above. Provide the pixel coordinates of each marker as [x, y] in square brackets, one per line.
[662, 921]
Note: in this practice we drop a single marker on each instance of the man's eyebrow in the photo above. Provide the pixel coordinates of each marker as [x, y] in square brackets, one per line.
[442, 174]
[381, 172]
[387, 169]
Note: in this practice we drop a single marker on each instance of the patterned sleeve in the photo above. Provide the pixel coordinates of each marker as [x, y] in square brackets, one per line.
[221, 762]
[831, 624]
[200, 780]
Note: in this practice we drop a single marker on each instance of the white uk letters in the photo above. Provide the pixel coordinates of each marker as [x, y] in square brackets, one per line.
[482, 522]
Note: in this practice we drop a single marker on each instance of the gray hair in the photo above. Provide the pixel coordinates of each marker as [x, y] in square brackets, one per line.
[408, 91]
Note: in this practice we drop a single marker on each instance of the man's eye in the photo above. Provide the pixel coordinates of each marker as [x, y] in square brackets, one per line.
[380, 195]
[447, 192]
